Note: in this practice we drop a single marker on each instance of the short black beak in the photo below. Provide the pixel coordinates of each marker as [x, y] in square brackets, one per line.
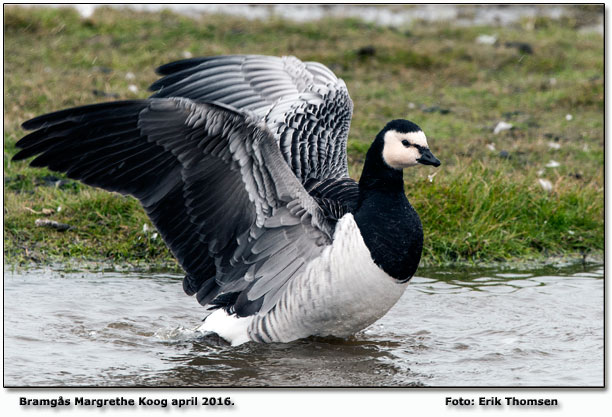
[427, 158]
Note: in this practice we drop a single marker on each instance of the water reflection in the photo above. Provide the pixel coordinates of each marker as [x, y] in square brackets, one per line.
[311, 362]
[451, 328]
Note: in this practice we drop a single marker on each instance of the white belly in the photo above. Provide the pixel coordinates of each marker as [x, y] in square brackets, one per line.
[340, 292]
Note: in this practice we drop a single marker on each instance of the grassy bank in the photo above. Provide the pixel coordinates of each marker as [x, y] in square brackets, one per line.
[493, 199]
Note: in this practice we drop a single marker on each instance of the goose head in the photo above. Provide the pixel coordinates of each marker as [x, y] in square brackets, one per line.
[405, 145]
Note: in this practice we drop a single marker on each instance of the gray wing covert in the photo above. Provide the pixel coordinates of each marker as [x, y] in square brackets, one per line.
[211, 179]
[305, 106]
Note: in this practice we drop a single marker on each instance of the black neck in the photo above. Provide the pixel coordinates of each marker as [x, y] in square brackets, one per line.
[377, 175]
[390, 227]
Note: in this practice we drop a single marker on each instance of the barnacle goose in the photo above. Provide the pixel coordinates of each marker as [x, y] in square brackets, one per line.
[240, 162]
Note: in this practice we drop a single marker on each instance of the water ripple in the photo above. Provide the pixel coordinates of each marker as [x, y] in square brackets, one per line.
[481, 328]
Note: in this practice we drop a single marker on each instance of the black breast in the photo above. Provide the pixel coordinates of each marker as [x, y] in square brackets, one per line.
[392, 231]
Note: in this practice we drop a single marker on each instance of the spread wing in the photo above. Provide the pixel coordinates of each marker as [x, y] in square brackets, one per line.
[212, 180]
[305, 106]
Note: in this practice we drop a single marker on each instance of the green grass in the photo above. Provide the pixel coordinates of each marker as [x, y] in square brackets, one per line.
[479, 207]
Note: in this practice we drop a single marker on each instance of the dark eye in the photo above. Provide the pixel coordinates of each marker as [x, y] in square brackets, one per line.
[405, 143]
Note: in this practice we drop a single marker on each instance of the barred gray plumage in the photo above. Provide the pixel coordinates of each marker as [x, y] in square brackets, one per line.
[305, 106]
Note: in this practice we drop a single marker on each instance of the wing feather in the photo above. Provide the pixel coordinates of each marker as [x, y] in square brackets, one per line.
[212, 180]
[281, 91]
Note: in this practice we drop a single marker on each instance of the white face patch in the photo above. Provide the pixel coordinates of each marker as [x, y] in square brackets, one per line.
[398, 156]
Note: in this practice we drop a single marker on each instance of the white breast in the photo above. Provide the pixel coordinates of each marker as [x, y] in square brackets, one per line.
[340, 293]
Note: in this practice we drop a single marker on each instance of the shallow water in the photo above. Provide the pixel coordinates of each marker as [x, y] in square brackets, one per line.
[477, 328]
